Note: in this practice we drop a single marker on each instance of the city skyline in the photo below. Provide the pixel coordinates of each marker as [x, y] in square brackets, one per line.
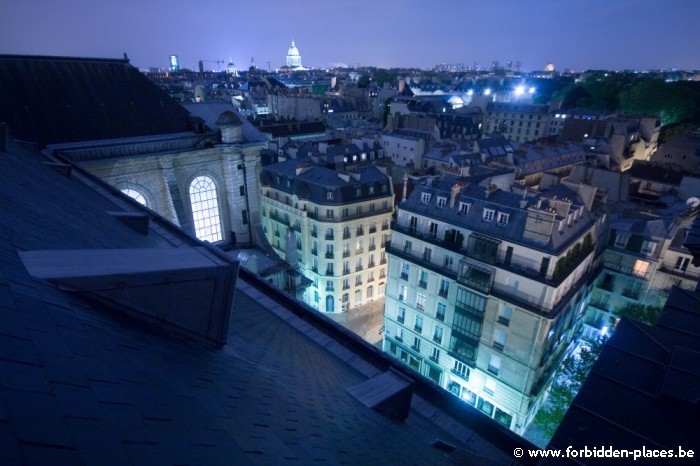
[578, 35]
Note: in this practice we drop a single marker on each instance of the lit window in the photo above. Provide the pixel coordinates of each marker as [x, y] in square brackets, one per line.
[137, 196]
[641, 268]
[205, 209]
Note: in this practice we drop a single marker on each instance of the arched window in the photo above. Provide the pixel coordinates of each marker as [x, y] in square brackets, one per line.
[137, 196]
[205, 209]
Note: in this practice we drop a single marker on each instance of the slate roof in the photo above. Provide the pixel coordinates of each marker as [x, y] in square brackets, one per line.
[314, 181]
[52, 100]
[500, 201]
[210, 112]
[84, 384]
[655, 173]
[643, 390]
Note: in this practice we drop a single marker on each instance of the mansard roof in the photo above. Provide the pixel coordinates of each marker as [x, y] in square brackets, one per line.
[53, 100]
[516, 206]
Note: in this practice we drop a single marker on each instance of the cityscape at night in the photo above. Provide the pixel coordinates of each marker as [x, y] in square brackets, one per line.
[359, 233]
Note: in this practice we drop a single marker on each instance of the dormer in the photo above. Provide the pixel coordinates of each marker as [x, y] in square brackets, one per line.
[425, 198]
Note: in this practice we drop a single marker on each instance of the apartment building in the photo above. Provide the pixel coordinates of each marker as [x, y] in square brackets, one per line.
[643, 259]
[337, 223]
[486, 289]
[518, 122]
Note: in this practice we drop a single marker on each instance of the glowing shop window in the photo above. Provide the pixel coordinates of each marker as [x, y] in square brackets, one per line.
[205, 209]
[137, 196]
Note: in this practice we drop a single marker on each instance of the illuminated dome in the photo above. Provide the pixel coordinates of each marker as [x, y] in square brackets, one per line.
[293, 57]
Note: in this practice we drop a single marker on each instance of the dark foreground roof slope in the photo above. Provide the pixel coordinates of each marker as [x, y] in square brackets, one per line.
[52, 100]
[644, 390]
[82, 383]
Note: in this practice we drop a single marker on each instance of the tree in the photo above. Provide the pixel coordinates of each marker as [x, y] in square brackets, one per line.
[567, 382]
[641, 313]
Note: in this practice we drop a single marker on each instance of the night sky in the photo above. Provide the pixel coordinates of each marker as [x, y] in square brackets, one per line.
[575, 34]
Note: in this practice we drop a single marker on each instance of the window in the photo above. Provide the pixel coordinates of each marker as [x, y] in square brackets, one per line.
[681, 264]
[440, 313]
[345, 212]
[418, 327]
[504, 315]
[358, 280]
[329, 195]
[436, 354]
[437, 335]
[441, 201]
[425, 198]
[405, 268]
[205, 209]
[370, 291]
[135, 195]
[502, 219]
[346, 283]
[461, 369]
[641, 268]
[329, 285]
[463, 208]
[448, 263]
[427, 252]
[494, 364]
[407, 247]
[621, 240]
[420, 301]
[433, 230]
[401, 315]
[499, 339]
[329, 213]
[399, 335]
[241, 190]
[444, 288]
[423, 279]
[403, 292]
[329, 268]
[489, 387]
[416, 344]
[488, 215]
[647, 247]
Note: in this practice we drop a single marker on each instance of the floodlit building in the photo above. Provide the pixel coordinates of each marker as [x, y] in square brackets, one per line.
[485, 290]
[518, 122]
[336, 223]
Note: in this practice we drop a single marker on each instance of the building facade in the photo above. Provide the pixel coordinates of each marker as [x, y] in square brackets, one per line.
[485, 292]
[334, 225]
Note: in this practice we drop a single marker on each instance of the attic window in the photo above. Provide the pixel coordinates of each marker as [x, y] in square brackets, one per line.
[502, 219]
[441, 201]
[358, 192]
[489, 214]
[425, 198]
[371, 189]
[329, 195]
[464, 208]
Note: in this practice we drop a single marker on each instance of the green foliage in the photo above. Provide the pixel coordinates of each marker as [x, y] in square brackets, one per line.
[628, 92]
[567, 382]
[363, 82]
[640, 312]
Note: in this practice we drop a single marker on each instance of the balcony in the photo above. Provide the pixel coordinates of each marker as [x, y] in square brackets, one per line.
[498, 346]
[382, 261]
[423, 284]
[385, 227]
[329, 287]
[372, 247]
[358, 268]
[371, 264]
[415, 348]
[403, 276]
[359, 250]
[360, 232]
[434, 359]
[346, 235]
[437, 339]
[314, 252]
[314, 269]
[626, 270]
[400, 319]
[329, 272]
[346, 254]
[346, 271]
[475, 275]
[346, 286]
[279, 218]
[297, 227]
[314, 233]
[329, 237]
[372, 230]
[329, 255]
[443, 292]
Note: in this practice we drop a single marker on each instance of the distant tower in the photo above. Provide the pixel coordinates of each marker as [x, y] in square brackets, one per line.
[252, 62]
[201, 66]
[293, 57]
[174, 63]
[549, 66]
[231, 68]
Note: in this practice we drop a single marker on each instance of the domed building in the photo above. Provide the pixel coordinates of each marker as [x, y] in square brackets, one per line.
[293, 57]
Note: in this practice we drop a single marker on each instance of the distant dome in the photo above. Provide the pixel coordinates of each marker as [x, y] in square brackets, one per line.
[293, 56]
[228, 118]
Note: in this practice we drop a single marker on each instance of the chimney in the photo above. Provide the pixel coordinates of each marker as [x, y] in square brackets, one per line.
[456, 189]
[230, 125]
[405, 187]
